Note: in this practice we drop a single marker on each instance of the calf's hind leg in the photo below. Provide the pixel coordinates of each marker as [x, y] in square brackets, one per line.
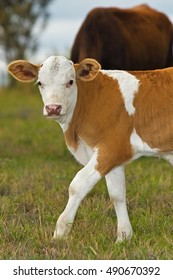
[169, 158]
[115, 180]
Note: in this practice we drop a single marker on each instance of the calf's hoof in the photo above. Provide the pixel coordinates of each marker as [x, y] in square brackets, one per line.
[124, 234]
[62, 230]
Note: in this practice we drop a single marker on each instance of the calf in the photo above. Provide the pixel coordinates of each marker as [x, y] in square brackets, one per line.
[108, 118]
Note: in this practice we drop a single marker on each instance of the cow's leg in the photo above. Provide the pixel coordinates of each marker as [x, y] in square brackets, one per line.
[115, 180]
[169, 158]
[83, 182]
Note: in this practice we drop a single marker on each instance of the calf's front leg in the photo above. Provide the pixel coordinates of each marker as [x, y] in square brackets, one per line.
[82, 183]
[115, 180]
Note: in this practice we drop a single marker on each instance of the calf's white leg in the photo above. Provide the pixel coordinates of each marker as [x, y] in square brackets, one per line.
[115, 180]
[82, 183]
[169, 158]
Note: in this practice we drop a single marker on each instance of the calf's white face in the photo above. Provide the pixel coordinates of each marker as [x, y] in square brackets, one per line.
[57, 85]
[56, 79]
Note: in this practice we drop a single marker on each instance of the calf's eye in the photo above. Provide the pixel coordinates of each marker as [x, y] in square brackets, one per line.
[39, 83]
[69, 83]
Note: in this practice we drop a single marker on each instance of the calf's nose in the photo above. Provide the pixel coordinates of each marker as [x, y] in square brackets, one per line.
[53, 109]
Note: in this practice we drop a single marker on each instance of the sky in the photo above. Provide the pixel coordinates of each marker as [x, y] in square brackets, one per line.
[66, 17]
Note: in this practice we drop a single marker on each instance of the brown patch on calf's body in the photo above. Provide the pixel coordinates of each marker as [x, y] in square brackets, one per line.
[153, 119]
[100, 119]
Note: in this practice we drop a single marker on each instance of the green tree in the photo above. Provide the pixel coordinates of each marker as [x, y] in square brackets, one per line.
[18, 19]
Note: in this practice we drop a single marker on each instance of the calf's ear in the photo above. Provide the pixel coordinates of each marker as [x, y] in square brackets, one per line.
[23, 71]
[87, 69]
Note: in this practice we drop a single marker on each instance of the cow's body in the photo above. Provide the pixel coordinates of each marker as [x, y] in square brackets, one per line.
[137, 118]
[134, 39]
[109, 118]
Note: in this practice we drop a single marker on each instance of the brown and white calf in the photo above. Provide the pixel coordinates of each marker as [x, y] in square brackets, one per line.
[108, 118]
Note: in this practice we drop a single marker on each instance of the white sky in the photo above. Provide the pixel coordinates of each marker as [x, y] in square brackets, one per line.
[66, 17]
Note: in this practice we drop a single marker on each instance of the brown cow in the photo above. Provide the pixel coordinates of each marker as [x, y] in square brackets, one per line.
[138, 38]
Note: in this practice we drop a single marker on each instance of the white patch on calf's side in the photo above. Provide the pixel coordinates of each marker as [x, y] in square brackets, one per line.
[128, 85]
[140, 147]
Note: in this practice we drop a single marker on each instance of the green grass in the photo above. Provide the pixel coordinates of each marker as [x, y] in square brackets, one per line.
[35, 171]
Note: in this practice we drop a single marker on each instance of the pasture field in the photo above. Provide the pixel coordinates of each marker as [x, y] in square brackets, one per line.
[35, 171]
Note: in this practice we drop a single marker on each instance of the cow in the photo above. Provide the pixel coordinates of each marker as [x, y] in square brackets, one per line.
[109, 118]
[138, 38]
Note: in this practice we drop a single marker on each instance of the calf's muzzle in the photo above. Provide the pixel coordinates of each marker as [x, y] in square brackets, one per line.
[53, 109]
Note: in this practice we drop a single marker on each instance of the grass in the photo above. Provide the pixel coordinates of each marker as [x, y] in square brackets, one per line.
[35, 171]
